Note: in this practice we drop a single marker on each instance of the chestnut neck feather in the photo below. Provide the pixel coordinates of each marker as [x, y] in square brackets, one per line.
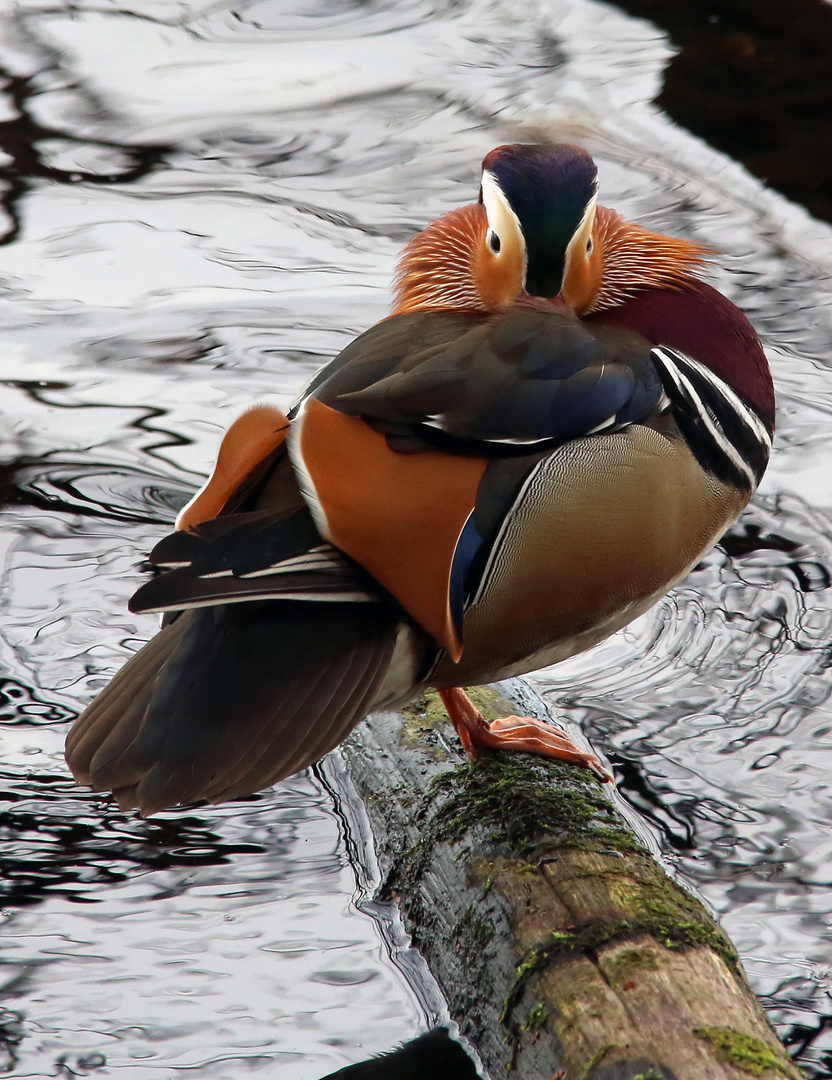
[702, 324]
[436, 268]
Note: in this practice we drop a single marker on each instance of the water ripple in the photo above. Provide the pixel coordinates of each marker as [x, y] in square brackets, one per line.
[205, 203]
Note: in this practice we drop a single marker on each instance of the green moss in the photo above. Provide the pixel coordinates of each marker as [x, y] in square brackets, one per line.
[423, 721]
[622, 967]
[491, 703]
[745, 1052]
[428, 711]
[660, 909]
[473, 934]
[426, 720]
[530, 805]
[677, 920]
[651, 1074]
[522, 801]
[534, 807]
[526, 803]
[537, 1018]
[598, 1057]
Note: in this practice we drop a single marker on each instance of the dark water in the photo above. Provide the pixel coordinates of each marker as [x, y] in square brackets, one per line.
[754, 79]
[204, 201]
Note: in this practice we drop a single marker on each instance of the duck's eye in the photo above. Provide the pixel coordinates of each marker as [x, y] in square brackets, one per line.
[589, 246]
[494, 242]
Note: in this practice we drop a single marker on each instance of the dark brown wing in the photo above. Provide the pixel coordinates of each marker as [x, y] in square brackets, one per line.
[524, 378]
[231, 697]
[227, 700]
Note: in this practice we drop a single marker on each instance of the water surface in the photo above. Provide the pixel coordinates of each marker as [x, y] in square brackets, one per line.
[204, 203]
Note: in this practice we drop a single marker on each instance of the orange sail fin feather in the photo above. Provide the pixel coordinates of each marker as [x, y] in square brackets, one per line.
[436, 267]
[627, 259]
[555, 423]
[460, 262]
[250, 439]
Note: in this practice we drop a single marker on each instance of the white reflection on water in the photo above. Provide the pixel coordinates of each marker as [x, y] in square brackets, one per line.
[256, 962]
[300, 145]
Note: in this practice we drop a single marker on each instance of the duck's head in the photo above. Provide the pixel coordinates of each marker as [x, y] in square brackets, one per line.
[533, 221]
[542, 198]
[536, 230]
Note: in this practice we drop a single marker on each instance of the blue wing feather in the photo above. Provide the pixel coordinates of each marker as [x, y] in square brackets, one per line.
[525, 377]
[470, 545]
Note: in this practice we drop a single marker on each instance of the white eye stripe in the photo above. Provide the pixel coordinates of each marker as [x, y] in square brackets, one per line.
[583, 233]
[503, 223]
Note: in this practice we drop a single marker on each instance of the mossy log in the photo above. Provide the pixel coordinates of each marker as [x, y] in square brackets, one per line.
[564, 949]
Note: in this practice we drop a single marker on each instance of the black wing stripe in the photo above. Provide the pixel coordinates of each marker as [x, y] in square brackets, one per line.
[317, 593]
[724, 433]
[743, 413]
[323, 576]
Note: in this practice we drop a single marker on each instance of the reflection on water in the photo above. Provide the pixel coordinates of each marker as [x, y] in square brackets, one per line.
[205, 202]
[35, 151]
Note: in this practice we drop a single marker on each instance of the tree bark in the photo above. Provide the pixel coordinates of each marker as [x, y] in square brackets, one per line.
[563, 948]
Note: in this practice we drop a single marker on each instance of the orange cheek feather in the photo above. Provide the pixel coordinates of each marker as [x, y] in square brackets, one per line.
[398, 515]
[498, 281]
[251, 437]
[583, 281]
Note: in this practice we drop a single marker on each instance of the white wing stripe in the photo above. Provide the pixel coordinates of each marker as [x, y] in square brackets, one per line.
[669, 361]
[748, 416]
[311, 597]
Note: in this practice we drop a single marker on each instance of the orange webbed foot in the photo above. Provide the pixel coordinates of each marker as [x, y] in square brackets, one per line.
[514, 733]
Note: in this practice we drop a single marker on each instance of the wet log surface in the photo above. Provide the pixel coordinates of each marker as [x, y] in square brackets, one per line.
[564, 949]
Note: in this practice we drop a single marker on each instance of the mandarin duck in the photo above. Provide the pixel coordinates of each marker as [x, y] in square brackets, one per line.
[555, 423]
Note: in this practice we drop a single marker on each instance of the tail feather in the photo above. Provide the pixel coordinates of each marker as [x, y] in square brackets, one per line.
[117, 706]
[280, 745]
[227, 700]
[342, 713]
[352, 695]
